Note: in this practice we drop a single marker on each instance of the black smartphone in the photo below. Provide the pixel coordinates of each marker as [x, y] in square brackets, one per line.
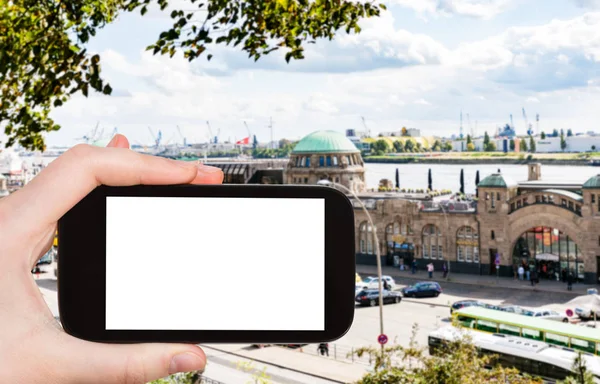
[208, 264]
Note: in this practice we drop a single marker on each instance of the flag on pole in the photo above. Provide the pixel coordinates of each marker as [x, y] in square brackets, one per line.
[244, 141]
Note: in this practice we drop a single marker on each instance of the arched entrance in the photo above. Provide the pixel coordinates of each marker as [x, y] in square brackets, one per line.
[552, 252]
[400, 251]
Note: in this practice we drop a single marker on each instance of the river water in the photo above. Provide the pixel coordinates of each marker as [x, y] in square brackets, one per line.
[447, 176]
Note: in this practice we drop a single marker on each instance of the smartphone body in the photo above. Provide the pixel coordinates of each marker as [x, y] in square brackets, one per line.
[208, 264]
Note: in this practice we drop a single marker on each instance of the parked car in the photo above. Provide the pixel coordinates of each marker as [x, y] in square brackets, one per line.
[513, 309]
[584, 313]
[551, 315]
[465, 303]
[422, 289]
[44, 260]
[370, 297]
[373, 283]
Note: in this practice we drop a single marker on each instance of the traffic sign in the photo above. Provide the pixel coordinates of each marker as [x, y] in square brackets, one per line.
[569, 313]
[382, 339]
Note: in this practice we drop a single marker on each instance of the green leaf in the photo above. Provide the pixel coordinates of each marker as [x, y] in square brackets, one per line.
[58, 103]
[107, 90]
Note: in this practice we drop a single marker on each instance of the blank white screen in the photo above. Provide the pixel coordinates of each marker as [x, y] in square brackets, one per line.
[215, 263]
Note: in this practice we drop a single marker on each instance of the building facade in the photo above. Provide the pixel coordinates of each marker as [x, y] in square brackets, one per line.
[326, 155]
[554, 227]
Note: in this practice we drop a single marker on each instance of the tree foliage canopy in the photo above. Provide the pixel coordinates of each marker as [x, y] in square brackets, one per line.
[458, 363]
[44, 60]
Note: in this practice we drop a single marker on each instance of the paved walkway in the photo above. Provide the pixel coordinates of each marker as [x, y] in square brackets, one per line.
[485, 280]
[295, 360]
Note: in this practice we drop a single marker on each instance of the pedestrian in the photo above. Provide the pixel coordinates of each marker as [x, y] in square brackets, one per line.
[323, 349]
[533, 276]
[521, 272]
[386, 286]
[569, 281]
[430, 270]
[544, 270]
[414, 267]
[445, 269]
[515, 270]
[564, 275]
[528, 272]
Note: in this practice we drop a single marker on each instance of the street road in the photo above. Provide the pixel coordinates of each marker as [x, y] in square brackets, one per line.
[427, 313]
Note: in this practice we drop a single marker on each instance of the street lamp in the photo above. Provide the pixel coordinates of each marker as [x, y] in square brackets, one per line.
[379, 274]
[446, 237]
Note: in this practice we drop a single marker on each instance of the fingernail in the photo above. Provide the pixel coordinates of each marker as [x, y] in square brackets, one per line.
[208, 169]
[186, 362]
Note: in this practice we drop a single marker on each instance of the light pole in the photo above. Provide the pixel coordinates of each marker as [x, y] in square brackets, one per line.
[379, 274]
[446, 237]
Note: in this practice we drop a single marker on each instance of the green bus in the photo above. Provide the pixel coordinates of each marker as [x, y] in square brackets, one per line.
[552, 332]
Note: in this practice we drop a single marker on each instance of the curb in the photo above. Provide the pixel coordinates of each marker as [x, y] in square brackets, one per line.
[484, 285]
[277, 365]
[425, 303]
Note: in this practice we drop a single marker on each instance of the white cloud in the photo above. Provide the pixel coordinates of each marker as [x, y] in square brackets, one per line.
[375, 74]
[319, 103]
[580, 33]
[422, 102]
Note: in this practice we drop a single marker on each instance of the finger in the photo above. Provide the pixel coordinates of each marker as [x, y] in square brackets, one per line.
[78, 171]
[119, 141]
[132, 363]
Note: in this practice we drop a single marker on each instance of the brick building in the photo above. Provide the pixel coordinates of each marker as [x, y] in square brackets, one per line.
[554, 227]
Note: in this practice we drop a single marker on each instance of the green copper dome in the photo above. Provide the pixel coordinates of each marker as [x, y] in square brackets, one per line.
[496, 180]
[325, 142]
[594, 182]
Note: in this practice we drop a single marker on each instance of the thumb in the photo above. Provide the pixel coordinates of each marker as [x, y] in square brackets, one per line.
[131, 364]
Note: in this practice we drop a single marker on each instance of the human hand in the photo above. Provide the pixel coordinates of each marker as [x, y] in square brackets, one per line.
[33, 348]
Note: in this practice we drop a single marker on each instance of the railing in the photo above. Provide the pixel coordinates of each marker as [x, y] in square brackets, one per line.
[556, 200]
[337, 352]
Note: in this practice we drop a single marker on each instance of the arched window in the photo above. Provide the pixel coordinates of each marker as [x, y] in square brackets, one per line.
[467, 245]
[432, 243]
[366, 241]
[391, 230]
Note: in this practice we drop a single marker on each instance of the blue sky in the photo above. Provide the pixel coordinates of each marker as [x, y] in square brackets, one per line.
[418, 65]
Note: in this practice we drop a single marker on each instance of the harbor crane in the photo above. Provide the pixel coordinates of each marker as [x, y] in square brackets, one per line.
[92, 136]
[527, 125]
[461, 126]
[248, 129]
[364, 122]
[213, 139]
[157, 138]
[182, 137]
[470, 126]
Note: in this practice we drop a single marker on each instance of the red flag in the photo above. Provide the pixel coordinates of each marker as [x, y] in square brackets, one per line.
[244, 141]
